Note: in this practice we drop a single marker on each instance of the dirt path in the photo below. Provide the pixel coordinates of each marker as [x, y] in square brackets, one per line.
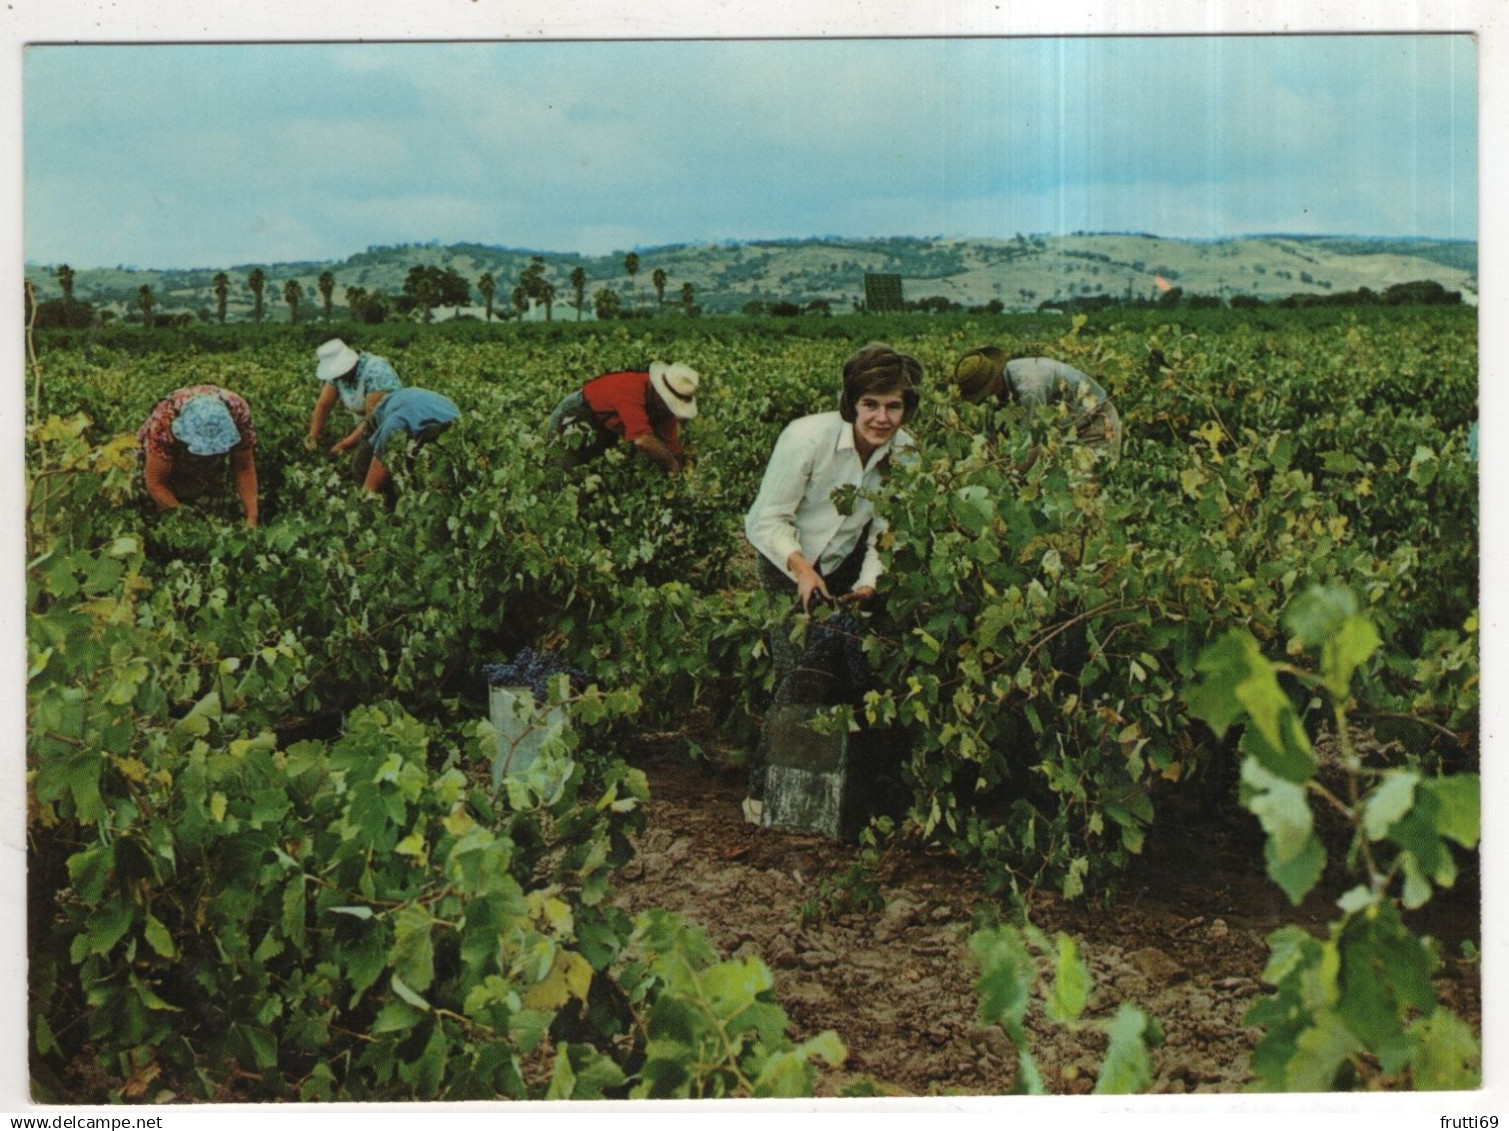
[1184, 940]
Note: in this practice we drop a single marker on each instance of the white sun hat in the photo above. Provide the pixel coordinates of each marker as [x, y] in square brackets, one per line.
[336, 359]
[677, 386]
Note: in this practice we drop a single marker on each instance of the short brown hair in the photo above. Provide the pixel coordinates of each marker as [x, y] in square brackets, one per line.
[877, 368]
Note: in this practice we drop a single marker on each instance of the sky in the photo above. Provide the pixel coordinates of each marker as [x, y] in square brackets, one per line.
[214, 155]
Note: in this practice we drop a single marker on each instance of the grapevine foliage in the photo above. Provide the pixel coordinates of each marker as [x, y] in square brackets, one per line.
[272, 728]
[1362, 996]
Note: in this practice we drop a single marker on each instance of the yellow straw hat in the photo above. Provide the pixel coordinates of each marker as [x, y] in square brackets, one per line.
[977, 372]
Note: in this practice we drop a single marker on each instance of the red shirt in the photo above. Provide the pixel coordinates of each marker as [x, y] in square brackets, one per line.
[628, 404]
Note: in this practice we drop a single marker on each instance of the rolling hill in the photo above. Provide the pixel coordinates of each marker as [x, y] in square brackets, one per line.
[1019, 273]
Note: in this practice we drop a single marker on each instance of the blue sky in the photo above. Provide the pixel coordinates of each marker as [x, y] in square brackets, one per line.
[214, 155]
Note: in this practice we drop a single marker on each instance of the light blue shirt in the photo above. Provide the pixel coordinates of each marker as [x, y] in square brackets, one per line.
[373, 375]
[410, 411]
[795, 510]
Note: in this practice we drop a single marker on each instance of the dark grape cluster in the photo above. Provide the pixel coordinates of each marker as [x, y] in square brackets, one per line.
[533, 670]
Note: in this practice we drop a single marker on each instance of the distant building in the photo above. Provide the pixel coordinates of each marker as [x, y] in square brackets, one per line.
[883, 292]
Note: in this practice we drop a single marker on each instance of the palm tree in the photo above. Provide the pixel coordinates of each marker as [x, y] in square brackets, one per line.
[659, 277]
[356, 302]
[326, 283]
[222, 284]
[292, 292]
[65, 280]
[146, 300]
[607, 303]
[686, 297]
[547, 296]
[579, 285]
[631, 265]
[256, 281]
[488, 286]
[520, 299]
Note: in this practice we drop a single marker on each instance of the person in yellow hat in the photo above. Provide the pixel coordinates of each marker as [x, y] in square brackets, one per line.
[986, 374]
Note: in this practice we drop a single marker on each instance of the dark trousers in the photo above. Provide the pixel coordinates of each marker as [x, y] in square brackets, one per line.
[576, 434]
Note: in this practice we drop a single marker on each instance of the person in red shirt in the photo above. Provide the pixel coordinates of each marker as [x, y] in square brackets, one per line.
[643, 408]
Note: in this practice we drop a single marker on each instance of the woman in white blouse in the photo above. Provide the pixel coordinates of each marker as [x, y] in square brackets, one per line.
[807, 543]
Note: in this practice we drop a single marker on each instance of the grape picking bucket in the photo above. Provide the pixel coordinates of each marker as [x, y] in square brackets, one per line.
[523, 727]
[824, 779]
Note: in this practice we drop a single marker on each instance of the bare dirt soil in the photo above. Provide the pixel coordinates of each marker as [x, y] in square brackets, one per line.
[1182, 938]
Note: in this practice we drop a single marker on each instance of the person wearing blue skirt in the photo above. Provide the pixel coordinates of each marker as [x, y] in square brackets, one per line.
[418, 415]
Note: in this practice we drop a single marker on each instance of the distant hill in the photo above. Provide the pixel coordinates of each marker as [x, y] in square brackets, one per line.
[1020, 273]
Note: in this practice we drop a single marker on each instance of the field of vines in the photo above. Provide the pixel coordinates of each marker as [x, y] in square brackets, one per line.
[269, 859]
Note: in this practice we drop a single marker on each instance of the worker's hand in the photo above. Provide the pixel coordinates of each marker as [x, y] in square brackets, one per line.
[859, 596]
[808, 582]
[311, 442]
[338, 447]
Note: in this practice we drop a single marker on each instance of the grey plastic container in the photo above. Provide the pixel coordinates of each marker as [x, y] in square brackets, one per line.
[814, 782]
[523, 727]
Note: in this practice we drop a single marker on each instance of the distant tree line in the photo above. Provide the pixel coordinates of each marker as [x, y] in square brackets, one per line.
[427, 288]
[1421, 292]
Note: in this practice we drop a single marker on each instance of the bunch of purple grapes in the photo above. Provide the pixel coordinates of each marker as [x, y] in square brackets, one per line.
[533, 670]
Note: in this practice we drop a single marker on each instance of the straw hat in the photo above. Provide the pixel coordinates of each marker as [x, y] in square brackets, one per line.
[978, 371]
[336, 360]
[205, 426]
[677, 386]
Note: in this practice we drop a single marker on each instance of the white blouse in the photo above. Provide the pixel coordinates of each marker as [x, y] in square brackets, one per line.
[794, 509]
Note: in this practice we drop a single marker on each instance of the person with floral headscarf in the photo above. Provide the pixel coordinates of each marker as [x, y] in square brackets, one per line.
[187, 442]
[986, 374]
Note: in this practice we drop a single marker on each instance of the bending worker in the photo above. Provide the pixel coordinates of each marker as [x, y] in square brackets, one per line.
[986, 374]
[351, 378]
[187, 442]
[417, 415]
[644, 408]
